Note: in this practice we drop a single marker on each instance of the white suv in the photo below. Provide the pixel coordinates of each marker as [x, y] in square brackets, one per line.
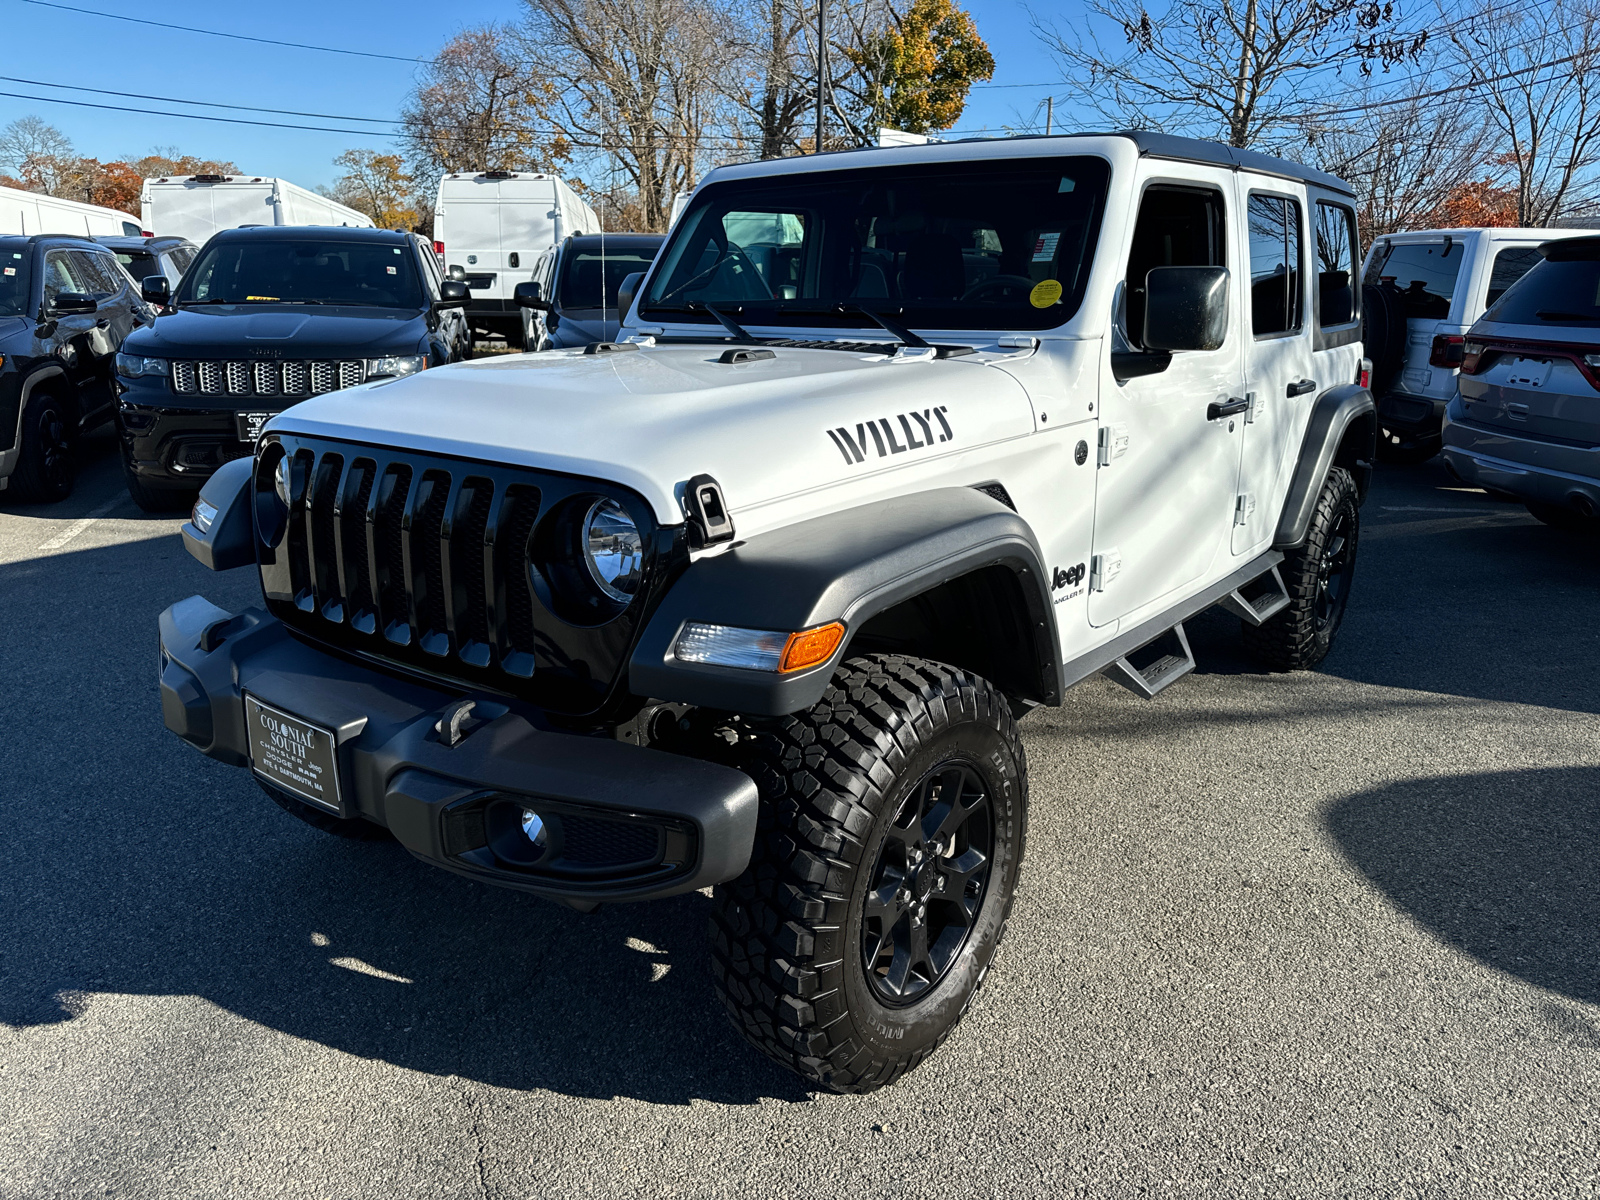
[1423, 290]
[903, 443]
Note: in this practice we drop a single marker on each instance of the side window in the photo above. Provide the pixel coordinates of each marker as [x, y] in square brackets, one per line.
[106, 268]
[88, 272]
[60, 275]
[129, 229]
[1275, 288]
[1336, 264]
[1510, 265]
[1177, 227]
[430, 268]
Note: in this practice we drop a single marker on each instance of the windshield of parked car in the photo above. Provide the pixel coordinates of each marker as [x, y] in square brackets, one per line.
[303, 271]
[983, 244]
[1424, 273]
[14, 280]
[1553, 294]
[139, 263]
[581, 276]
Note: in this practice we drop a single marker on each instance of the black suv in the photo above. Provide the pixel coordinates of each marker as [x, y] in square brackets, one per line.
[65, 308]
[565, 302]
[264, 318]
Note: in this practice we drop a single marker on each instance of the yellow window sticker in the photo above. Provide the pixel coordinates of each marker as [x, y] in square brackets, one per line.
[1045, 293]
[267, 297]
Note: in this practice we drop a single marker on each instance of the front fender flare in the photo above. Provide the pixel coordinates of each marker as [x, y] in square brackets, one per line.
[847, 566]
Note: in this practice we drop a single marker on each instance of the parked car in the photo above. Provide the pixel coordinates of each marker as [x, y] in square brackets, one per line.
[142, 257]
[754, 600]
[1423, 289]
[200, 205]
[27, 213]
[65, 308]
[489, 230]
[263, 319]
[1527, 419]
[572, 299]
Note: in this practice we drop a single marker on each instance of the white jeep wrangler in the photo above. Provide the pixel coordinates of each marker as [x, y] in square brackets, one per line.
[903, 443]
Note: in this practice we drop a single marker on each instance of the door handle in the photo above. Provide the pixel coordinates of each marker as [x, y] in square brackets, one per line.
[102, 323]
[1302, 387]
[1235, 405]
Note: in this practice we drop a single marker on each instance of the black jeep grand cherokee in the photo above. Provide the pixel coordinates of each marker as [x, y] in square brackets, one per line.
[264, 318]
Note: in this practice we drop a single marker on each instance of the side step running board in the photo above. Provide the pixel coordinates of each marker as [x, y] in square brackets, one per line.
[1269, 599]
[1153, 678]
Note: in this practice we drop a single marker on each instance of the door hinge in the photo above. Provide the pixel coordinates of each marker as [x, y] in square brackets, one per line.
[1103, 568]
[1113, 443]
[1250, 413]
[1244, 507]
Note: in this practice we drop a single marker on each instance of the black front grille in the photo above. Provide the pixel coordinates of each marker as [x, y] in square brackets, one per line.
[462, 569]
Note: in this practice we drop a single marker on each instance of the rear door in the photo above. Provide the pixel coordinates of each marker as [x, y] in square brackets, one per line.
[1425, 274]
[472, 236]
[527, 228]
[1164, 490]
[1278, 354]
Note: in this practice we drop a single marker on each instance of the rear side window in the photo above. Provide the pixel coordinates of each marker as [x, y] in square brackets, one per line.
[1178, 227]
[1553, 294]
[1275, 290]
[141, 264]
[129, 229]
[1423, 273]
[1336, 264]
[1510, 265]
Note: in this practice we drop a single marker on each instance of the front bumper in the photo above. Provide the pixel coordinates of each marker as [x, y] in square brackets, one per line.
[1529, 468]
[167, 446]
[1416, 418]
[445, 802]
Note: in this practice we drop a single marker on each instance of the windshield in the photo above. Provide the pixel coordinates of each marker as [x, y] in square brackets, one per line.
[580, 276]
[1552, 293]
[1424, 273]
[987, 244]
[309, 271]
[14, 280]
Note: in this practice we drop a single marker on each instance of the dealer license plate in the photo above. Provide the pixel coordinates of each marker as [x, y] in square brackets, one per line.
[250, 424]
[293, 754]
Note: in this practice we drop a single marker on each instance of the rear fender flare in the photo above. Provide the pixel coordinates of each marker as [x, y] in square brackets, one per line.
[846, 566]
[1342, 432]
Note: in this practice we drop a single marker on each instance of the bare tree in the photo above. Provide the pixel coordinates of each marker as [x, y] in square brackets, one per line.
[1537, 71]
[1218, 68]
[773, 87]
[640, 84]
[38, 154]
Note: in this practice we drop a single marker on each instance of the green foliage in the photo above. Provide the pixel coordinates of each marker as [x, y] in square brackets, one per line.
[918, 72]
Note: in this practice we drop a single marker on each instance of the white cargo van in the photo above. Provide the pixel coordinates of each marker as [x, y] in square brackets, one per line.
[198, 206]
[490, 227]
[28, 213]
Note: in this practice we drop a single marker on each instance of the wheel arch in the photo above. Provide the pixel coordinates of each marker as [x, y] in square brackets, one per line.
[1342, 432]
[52, 374]
[950, 574]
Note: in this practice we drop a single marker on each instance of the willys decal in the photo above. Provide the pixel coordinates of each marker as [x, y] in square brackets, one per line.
[893, 435]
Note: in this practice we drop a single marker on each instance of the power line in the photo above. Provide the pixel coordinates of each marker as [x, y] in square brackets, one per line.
[192, 116]
[286, 112]
[238, 37]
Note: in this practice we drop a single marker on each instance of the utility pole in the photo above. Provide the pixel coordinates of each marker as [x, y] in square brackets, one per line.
[822, 72]
[1049, 114]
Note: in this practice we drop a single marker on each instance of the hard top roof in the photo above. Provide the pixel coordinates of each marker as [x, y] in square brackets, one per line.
[40, 238]
[289, 233]
[124, 241]
[622, 241]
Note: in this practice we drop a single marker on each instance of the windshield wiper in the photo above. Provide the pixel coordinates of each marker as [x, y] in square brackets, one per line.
[700, 306]
[907, 338]
[1552, 314]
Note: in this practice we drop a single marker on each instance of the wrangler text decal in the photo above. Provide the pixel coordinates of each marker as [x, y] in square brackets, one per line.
[893, 435]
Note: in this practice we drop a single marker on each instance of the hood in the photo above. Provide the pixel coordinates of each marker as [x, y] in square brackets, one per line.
[651, 419]
[280, 331]
[11, 326]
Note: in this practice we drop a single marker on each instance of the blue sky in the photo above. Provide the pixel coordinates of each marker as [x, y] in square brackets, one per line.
[53, 46]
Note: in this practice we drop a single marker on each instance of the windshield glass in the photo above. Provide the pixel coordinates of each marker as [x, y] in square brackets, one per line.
[990, 244]
[309, 271]
[580, 276]
[1424, 273]
[14, 280]
[1552, 293]
[139, 263]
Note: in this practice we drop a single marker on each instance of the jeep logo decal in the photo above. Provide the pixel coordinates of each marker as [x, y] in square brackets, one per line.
[1070, 577]
[915, 432]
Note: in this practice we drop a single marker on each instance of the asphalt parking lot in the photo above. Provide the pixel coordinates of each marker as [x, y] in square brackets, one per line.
[1317, 934]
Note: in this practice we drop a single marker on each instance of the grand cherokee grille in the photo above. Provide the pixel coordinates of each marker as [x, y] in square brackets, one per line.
[458, 568]
[296, 378]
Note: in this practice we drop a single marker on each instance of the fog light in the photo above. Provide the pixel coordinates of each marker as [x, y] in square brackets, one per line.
[533, 828]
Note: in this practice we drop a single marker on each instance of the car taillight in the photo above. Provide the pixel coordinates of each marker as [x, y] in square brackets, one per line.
[438, 248]
[1471, 356]
[1364, 373]
[1446, 350]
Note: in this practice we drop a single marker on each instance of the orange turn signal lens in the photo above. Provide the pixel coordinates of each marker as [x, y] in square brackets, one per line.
[811, 648]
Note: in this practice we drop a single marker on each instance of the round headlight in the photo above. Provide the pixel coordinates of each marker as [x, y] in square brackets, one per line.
[614, 550]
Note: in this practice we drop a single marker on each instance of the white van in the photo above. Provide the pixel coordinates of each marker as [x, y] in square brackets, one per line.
[28, 213]
[488, 230]
[200, 205]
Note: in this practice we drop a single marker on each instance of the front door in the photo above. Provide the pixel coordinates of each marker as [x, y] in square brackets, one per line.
[1278, 358]
[1168, 462]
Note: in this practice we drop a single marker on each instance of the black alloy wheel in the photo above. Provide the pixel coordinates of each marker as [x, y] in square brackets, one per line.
[927, 885]
[46, 470]
[1333, 573]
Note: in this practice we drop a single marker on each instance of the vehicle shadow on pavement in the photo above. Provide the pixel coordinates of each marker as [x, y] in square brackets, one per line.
[1501, 865]
[132, 864]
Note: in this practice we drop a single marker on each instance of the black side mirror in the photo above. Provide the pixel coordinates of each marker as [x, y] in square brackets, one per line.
[526, 295]
[626, 293]
[453, 294]
[68, 304]
[1185, 308]
[156, 289]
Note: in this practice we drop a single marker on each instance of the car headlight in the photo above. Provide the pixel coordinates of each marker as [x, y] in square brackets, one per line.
[132, 366]
[280, 480]
[614, 550]
[394, 366]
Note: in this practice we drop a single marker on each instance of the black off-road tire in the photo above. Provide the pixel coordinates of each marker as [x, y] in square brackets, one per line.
[1318, 576]
[46, 467]
[789, 936]
[355, 828]
[1383, 334]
